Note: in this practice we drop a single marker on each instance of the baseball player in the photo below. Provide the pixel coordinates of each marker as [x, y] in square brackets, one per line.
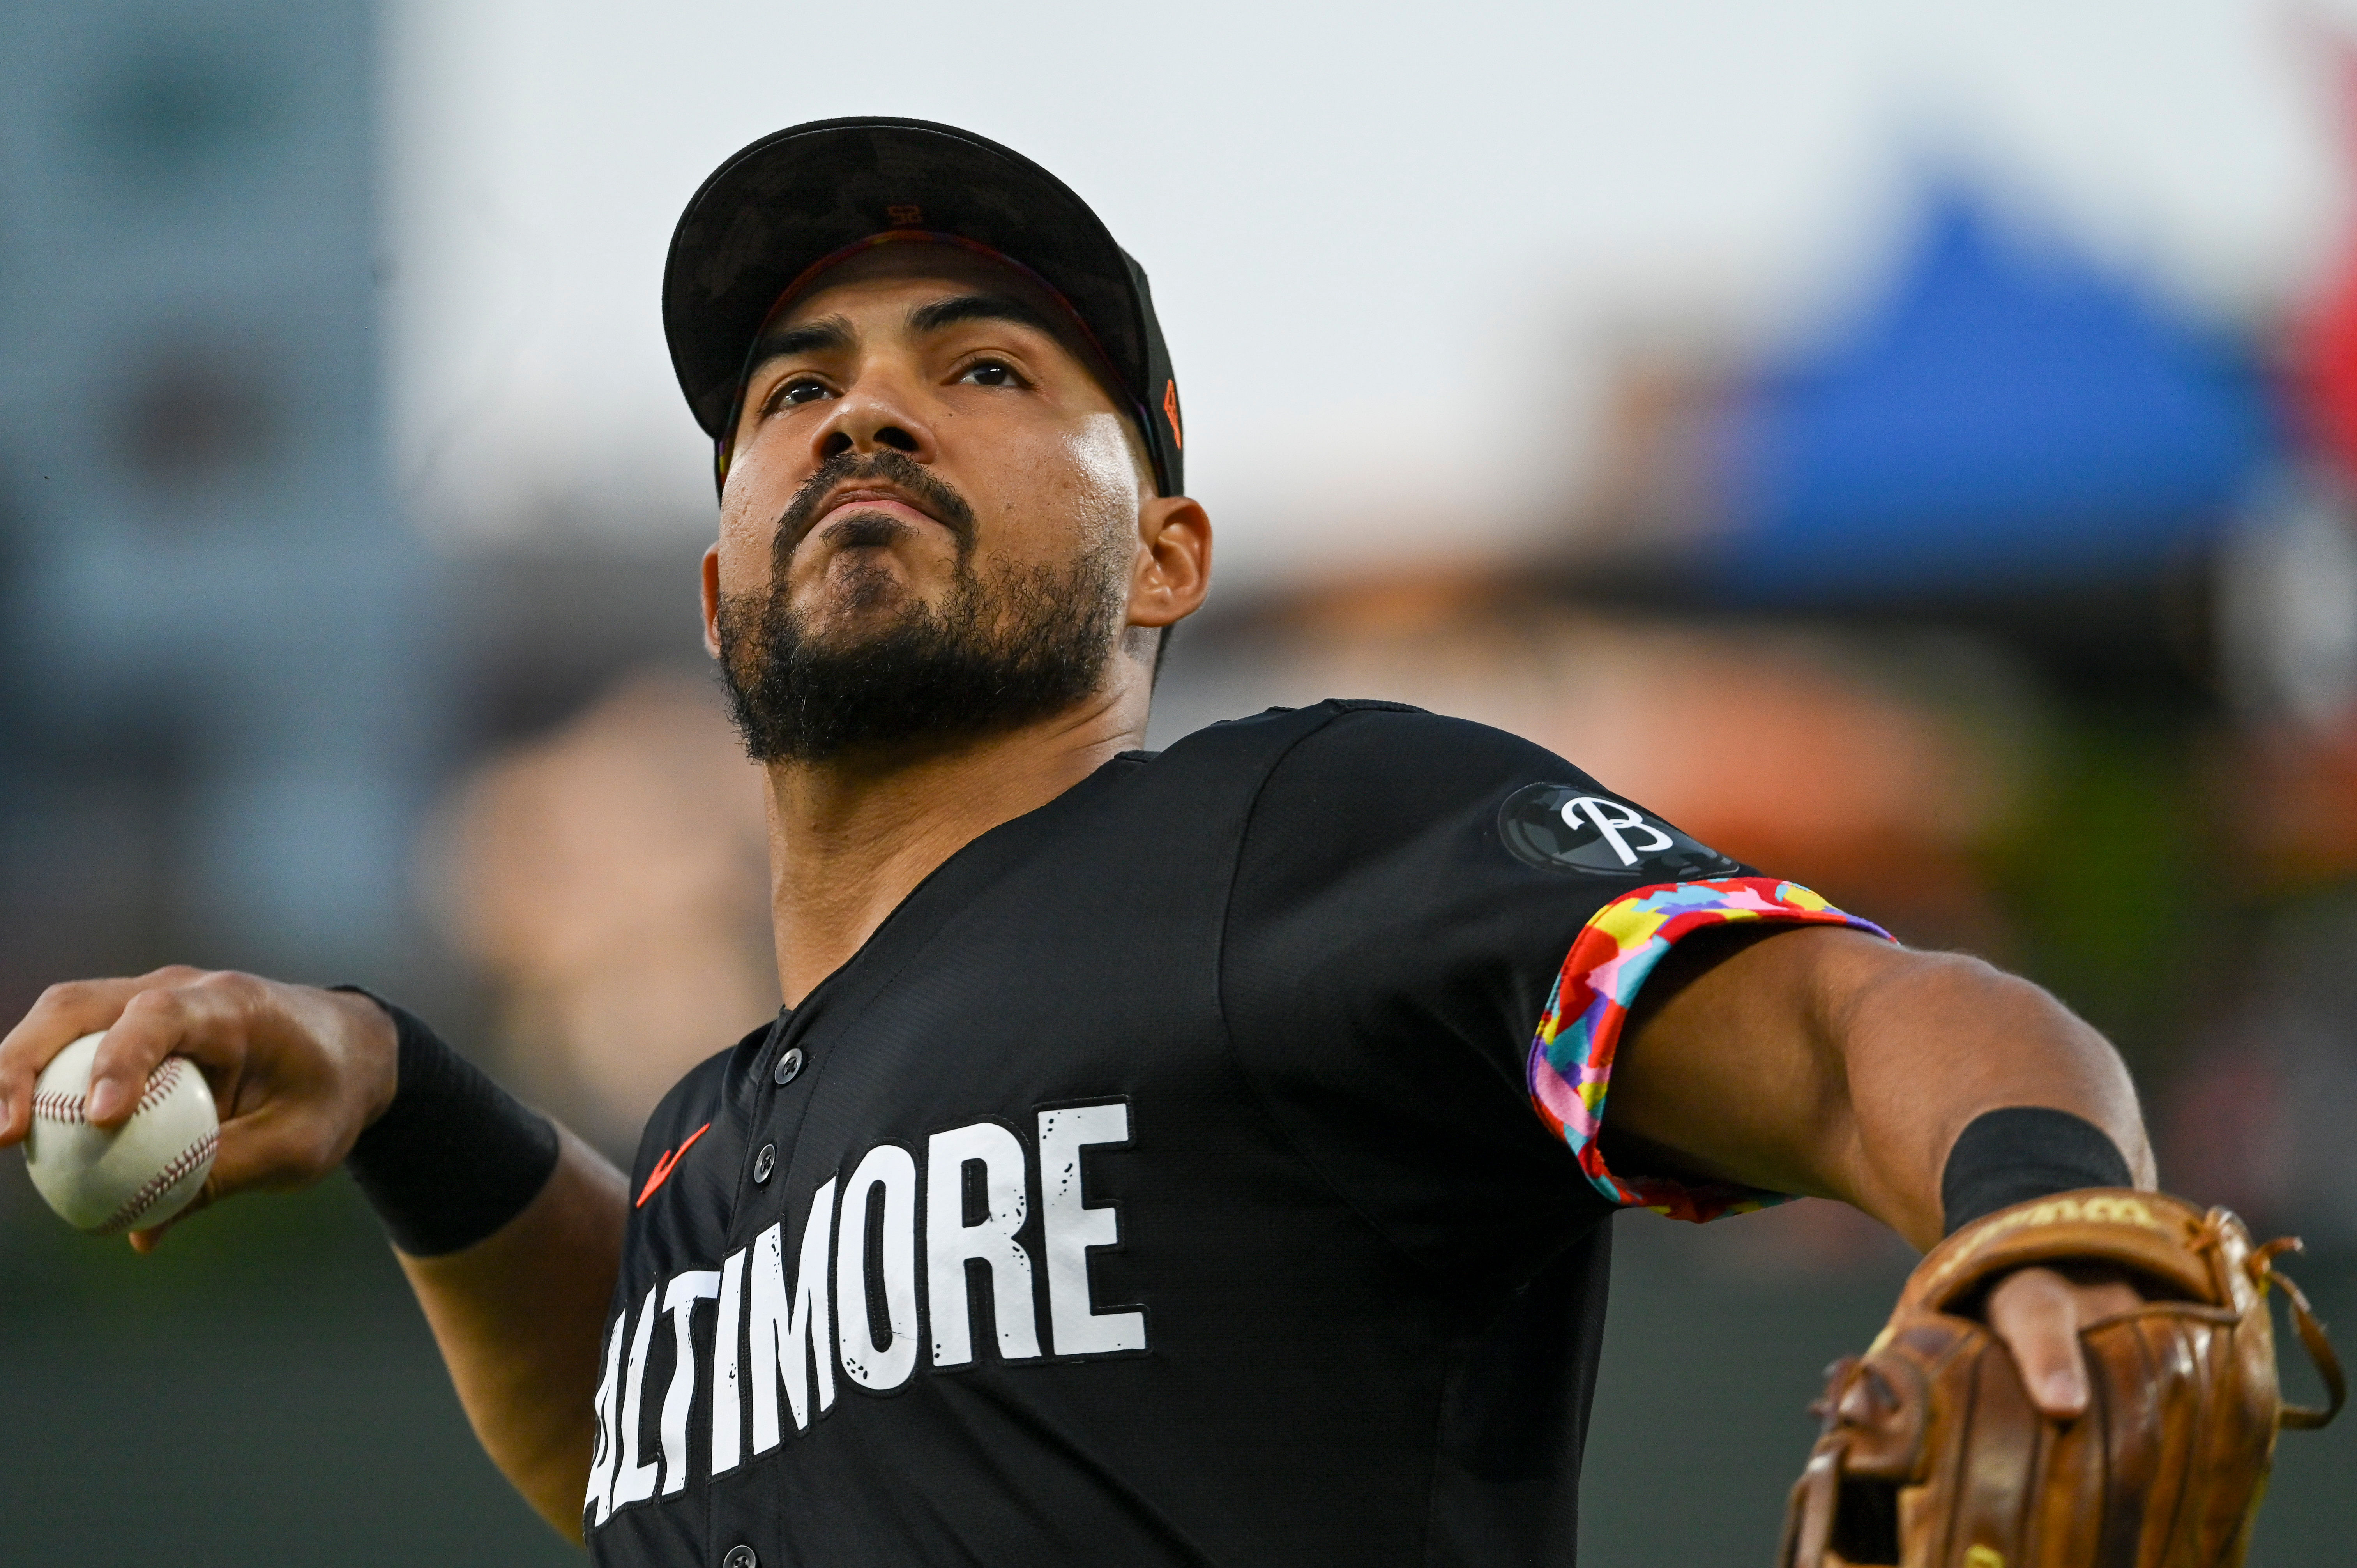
[1200, 1156]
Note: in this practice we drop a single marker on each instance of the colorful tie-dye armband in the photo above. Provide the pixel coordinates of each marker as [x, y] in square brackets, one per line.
[1571, 1057]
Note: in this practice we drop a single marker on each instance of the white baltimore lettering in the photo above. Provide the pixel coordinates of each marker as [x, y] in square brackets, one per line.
[951, 1243]
[798, 1326]
[599, 1501]
[1072, 1226]
[890, 1169]
[788, 1326]
[727, 1408]
[635, 1482]
[679, 1300]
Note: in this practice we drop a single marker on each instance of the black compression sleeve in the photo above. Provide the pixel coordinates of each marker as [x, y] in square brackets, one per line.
[455, 1156]
[2009, 1156]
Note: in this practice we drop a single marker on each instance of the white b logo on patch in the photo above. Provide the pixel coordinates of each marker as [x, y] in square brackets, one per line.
[1612, 821]
[1557, 827]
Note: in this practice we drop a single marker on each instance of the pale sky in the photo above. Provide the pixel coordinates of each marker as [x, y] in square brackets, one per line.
[1392, 245]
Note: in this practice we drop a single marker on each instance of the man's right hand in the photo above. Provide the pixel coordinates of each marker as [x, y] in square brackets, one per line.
[296, 1072]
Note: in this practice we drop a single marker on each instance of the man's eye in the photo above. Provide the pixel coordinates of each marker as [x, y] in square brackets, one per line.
[800, 391]
[989, 373]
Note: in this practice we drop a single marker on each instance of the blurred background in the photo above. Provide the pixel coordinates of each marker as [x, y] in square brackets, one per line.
[1912, 447]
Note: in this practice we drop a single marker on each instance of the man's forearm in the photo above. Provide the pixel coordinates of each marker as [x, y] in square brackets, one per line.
[517, 1317]
[1929, 1044]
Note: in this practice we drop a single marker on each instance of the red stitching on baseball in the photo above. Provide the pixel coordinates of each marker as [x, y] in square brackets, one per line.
[56, 1106]
[74, 1109]
[139, 1202]
[161, 1082]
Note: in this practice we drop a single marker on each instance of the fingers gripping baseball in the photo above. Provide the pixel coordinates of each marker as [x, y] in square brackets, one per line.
[64, 1014]
[295, 1073]
[155, 1022]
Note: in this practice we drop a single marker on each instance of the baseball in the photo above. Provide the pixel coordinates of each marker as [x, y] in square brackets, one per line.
[140, 1174]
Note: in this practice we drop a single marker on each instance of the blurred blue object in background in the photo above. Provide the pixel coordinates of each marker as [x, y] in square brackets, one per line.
[2005, 416]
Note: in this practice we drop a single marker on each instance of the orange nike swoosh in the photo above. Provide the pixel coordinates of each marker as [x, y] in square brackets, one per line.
[669, 1162]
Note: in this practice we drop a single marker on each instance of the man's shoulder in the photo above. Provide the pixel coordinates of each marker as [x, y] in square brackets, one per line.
[1368, 746]
[1361, 723]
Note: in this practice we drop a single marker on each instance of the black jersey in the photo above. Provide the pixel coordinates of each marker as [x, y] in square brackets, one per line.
[1197, 1169]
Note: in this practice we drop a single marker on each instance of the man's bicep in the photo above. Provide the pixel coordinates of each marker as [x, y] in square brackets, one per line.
[1728, 1069]
[1680, 964]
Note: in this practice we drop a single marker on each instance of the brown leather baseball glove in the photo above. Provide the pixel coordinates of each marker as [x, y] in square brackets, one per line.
[1933, 1456]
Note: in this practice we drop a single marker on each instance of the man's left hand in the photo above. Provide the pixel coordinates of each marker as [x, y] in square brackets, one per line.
[2037, 1312]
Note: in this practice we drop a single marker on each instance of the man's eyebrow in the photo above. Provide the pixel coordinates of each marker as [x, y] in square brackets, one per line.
[828, 335]
[937, 314]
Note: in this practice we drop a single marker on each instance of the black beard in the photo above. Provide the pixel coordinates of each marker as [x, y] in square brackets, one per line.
[998, 654]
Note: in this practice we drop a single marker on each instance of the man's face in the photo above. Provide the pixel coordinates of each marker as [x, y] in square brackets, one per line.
[932, 511]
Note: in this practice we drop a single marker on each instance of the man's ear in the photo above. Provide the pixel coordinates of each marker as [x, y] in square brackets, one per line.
[712, 600]
[1174, 561]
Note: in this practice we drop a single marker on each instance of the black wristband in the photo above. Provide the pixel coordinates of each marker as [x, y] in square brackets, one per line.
[455, 1156]
[2009, 1156]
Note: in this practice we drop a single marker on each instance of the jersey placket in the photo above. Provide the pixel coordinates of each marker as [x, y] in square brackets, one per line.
[785, 1065]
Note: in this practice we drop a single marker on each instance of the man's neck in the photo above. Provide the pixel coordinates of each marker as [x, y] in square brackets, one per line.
[849, 838]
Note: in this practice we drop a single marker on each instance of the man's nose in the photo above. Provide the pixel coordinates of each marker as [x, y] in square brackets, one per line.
[871, 417]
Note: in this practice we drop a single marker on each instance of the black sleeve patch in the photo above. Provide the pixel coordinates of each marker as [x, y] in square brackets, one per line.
[1559, 827]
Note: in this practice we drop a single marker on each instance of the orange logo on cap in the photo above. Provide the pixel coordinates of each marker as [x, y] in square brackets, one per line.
[1170, 413]
[906, 216]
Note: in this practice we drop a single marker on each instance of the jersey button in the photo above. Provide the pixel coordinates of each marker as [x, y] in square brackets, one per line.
[788, 1066]
[763, 1163]
[740, 1557]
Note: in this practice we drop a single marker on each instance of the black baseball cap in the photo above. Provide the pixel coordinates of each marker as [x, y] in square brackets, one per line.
[810, 193]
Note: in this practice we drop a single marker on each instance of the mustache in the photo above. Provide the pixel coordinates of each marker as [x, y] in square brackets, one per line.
[929, 490]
